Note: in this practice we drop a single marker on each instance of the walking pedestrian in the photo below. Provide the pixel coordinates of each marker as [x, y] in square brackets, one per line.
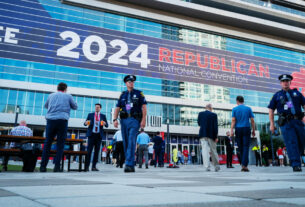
[241, 115]
[288, 103]
[132, 108]
[207, 120]
[143, 140]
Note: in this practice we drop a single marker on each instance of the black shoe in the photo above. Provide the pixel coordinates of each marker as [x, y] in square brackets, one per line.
[245, 169]
[129, 169]
[57, 169]
[86, 169]
[43, 169]
[146, 166]
[94, 169]
[231, 167]
[140, 166]
[297, 169]
[117, 165]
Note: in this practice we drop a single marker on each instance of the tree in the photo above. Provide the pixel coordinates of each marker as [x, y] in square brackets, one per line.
[277, 142]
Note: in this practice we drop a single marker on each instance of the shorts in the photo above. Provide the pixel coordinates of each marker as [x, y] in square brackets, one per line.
[104, 154]
[281, 157]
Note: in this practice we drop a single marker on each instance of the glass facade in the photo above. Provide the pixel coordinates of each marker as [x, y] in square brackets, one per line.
[264, 3]
[32, 103]
[85, 78]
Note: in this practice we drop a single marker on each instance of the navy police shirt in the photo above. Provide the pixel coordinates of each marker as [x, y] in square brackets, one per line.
[280, 102]
[131, 102]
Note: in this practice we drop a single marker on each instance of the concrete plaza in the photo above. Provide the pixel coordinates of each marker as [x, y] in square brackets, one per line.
[187, 186]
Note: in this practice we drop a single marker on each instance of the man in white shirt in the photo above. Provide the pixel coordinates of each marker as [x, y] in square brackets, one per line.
[119, 150]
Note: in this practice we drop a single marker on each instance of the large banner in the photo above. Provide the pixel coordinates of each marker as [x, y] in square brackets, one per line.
[28, 32]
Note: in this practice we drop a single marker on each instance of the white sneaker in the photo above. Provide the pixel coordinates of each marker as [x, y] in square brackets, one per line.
[208, 169]
[217, 168]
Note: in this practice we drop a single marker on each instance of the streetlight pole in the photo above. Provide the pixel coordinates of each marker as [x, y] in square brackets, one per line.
[167, 140]
[16, 117]
[272, 149]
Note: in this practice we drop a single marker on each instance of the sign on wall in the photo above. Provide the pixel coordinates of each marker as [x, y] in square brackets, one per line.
[36, 36]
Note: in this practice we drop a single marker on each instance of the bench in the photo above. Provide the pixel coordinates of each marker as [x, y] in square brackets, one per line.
[80, 154]
[40, 140]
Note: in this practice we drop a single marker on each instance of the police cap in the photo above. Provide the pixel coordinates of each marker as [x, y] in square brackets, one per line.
[130, 78]
[285, 77]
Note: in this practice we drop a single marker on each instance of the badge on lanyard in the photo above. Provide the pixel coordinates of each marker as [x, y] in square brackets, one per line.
[128, 106]
[289, 104]
[285, 107]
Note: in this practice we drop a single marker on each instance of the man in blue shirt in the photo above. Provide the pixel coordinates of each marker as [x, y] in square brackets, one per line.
[59, 105]
[132, 108]
[96, 122]
[142, 141]
[241, 115]
[288, 103]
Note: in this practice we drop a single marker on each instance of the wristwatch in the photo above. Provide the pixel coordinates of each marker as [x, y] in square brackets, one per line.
[114, 120]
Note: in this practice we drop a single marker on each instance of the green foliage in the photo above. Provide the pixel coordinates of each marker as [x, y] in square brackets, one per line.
[277, 142]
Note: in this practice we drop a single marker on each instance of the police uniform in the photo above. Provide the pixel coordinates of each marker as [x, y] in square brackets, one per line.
[130, 104]
[289, 107]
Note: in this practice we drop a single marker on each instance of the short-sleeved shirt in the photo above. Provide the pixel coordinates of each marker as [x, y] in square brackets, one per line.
[185, 153]
[151, 149]
[143, 138]
[280, 101]
[59, 105]
[21, 131]
[118, 136]
[280, 152]
[242, 114]
[136, 99]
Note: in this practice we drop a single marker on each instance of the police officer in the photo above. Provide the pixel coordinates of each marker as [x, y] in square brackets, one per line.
[132, 108]
[289, 103]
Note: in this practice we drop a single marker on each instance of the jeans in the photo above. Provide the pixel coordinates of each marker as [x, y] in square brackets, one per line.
[54, 128]
[243, 136]
[130, 128]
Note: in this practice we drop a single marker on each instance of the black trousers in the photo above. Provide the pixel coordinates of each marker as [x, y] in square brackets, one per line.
[158, 156]
[258, 159]
[229, 157]
[95, 141]
[29, 159]
[120, 155]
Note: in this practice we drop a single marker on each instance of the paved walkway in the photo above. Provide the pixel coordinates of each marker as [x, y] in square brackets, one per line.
[186, 186]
